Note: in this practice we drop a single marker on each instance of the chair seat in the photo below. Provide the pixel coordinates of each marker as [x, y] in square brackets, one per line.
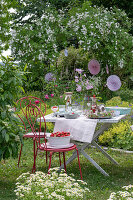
[47, 147]
[31, 135]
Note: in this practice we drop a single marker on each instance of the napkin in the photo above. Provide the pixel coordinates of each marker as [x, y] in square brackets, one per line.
[80, 130]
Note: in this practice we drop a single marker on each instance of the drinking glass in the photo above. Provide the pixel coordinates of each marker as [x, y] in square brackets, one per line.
[74, 107]
[69, 108]
[62, 108]
[54, 109]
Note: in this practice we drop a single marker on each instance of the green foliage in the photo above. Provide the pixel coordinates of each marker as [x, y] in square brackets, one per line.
[4, 26]
[5, 23]
[120, 174]
[36, 43]
[119, 136]
[65, 3]
[95, 32]
[57, 89]
[10, 86]
[76, 58]
[49, 125]
[124, 5]
[126, 92]
[117, 101]
[103, 33]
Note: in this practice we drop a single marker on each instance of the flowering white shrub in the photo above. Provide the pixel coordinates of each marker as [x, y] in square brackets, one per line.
[101, 32]
[50, 186]
[126, 193]
[38, 39]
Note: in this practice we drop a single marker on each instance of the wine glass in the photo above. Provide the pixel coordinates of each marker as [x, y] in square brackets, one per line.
[54, 109]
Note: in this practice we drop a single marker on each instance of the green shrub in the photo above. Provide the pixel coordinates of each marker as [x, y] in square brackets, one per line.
[117, 101]
[124, 93]
[10, 87]
[77, 58]
[120, 136]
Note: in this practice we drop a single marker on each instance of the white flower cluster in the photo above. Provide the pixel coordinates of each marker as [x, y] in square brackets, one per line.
[50, 186]
[98, 30]
[126, 193]
[37, 40]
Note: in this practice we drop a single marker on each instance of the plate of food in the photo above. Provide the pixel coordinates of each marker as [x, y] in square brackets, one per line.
[101, 115]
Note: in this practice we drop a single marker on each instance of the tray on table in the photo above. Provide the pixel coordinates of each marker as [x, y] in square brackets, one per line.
[99, 117]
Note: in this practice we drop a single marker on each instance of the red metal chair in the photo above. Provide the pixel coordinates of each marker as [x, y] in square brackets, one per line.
[29, 109]
[33, 110]
[62, 150]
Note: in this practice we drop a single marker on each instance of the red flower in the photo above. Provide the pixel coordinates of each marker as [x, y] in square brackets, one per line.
[37, 102]
[52, 95]
[46, 96]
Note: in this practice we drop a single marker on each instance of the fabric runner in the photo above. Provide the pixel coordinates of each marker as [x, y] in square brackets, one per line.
[80, 130]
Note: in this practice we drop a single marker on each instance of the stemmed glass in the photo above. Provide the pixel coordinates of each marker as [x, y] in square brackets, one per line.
[54, 109]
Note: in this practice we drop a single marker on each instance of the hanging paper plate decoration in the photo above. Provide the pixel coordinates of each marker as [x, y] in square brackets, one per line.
[94, 67]
[113, 83]
[49, 77]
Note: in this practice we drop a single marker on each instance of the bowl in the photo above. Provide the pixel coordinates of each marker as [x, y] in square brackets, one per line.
[71, 115]
[59, 141]
[121, 110]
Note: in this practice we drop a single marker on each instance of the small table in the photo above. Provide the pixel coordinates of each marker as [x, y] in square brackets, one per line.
[106, 123]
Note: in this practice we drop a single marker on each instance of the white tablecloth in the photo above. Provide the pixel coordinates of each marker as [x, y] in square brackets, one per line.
[80, 130]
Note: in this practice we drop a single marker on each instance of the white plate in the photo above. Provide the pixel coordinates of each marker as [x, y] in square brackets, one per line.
[59, 146]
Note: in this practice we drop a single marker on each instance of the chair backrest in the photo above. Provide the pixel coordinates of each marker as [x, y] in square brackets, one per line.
[30, 110]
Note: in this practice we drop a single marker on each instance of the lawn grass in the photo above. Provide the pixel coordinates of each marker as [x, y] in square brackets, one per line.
[99, 185]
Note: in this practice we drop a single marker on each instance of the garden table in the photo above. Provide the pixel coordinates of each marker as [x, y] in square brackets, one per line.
[105, 124]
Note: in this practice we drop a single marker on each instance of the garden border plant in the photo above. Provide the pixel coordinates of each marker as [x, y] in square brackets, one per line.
[55, 185]
[10, 86]
[120, 135]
